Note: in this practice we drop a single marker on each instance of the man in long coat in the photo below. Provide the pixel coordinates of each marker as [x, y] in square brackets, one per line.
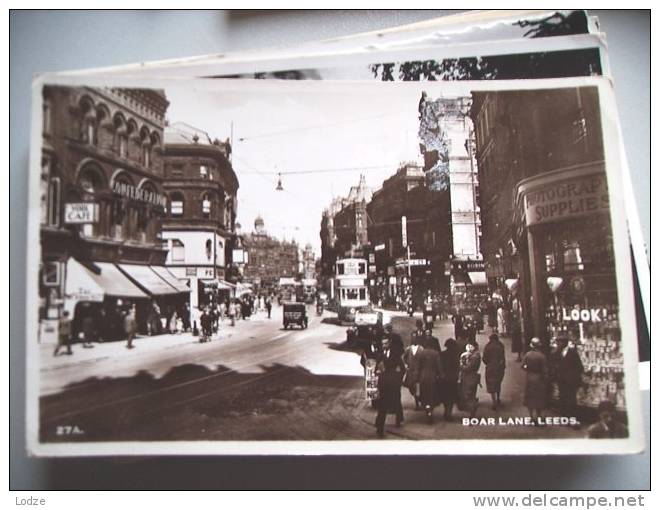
[535, 363]
[390, 375]
[569, 371]
[451, 372]
[494, 360]
[411, 360]
[429, 376]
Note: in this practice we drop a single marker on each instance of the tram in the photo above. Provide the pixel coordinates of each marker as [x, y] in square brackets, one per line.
[351, 285]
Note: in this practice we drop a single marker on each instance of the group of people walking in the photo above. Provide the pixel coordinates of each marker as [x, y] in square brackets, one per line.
[434, 376]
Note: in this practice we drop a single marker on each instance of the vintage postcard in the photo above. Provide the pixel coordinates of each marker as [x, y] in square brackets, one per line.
[313, 267]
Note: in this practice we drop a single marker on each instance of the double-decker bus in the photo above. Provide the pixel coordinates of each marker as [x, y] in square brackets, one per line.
[352, 293]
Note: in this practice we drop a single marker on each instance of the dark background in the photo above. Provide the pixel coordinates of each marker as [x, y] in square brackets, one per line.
[52, 40]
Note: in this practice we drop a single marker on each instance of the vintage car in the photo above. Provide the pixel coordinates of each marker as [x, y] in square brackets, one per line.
[369, 324]
[295, 313]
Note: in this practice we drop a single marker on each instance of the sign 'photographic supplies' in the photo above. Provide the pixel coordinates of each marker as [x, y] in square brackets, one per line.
[567, 199]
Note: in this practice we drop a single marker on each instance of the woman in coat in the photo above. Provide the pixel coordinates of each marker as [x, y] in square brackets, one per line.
[535, 364]
[429, 377]
[451, 371]
[470, 378]
[411, 360]
[495, 363]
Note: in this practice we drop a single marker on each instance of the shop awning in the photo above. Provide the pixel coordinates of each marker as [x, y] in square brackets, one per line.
[147, 280]
[172, 280]
[85, 284]
[478, 278]
[81, 283]
[222, 284]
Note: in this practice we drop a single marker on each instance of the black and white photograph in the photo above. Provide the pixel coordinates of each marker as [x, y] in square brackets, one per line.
[264, 266]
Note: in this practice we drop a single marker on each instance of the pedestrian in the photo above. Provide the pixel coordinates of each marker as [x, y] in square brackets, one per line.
[130, 327]
[206, 323]
[269, 306]
[430, 375]
[515, 329]
[411, 360]
[173, 322]
[569, 371]
[390, 376]
[470, 379]
[186, 316]
[501, 328]
[451, 371]
[231, 312]
[429, 341]
[607, 426]
[222, 310]
[88, 331]
[535, 364]
[458, 319]
[64, 334]
[470, 330]
[395, 339]
[494, 359]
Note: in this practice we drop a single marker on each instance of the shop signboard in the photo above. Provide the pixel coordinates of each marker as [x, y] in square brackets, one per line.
[81, 213]
[583, 314]
[140, 194]
[191, 271]
[465, 266]
[566, 199]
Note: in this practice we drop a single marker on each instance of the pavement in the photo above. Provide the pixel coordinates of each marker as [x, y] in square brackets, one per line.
[491, 424]
[250, 382]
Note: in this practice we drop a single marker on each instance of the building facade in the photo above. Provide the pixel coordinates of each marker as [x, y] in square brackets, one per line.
[102, 206]
[448, 146]
[269, 258]
[344, 231]
[199, 227]
[547, 236]
[409, 235]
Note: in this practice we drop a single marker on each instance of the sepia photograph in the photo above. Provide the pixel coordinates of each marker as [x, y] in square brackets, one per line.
[268, 266]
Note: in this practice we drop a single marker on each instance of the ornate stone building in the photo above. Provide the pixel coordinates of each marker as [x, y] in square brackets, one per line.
[199, 227]
[269, 258]
[102, 205]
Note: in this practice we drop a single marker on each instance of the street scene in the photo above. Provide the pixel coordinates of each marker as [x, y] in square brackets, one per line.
[412, 265]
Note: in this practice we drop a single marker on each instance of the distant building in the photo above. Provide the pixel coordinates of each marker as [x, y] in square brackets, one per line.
[199, 228]
[269, 258]
[344, 228]
[308, 263]
[427, 235]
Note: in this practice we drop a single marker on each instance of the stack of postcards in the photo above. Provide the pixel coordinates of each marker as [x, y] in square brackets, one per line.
[275, 251]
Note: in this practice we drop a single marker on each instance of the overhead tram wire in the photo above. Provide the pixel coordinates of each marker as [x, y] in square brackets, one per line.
[321, 170]
[317, 126]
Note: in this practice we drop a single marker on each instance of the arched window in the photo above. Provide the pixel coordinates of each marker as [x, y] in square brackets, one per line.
[121, 136]
[145, 144]
[119, 211]
[146, 224]
[89, 121]
[208, 205]
[209, 249]
[176, 204]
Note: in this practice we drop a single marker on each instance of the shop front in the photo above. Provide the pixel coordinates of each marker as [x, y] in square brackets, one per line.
[569, 282]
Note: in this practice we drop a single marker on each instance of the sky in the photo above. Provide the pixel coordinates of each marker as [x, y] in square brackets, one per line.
[303, 126]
